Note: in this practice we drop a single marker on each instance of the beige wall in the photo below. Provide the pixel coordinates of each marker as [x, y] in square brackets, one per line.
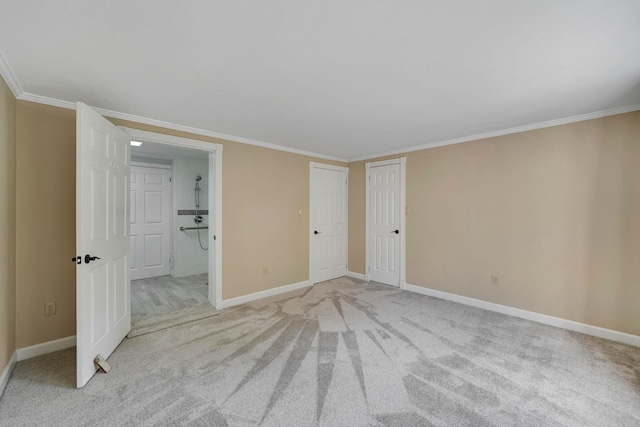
[45, 222]
[263, 190]
[553, 213]
[7, 224]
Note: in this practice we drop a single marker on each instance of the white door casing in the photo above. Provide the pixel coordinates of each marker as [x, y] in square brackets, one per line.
[385, 235]
[215, 232]
[150, 227]
[328, 222]
[103, 306]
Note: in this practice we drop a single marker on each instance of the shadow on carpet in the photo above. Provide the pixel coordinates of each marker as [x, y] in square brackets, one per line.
[148, 324]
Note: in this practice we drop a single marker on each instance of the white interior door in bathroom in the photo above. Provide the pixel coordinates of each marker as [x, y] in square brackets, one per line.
[150, 228]
[103, 294]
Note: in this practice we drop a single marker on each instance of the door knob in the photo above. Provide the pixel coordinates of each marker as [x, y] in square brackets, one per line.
[316, 232]
[88, 258]
[77, 259]
[395, 231]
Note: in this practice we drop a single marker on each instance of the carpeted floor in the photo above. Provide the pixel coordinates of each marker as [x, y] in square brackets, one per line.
[148, 324]
[342, 353]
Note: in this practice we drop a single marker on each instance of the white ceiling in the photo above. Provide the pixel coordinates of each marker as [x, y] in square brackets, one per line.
[167, 152]
[346, 79]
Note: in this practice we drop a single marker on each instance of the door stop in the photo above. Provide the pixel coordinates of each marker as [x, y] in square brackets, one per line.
[101, 362]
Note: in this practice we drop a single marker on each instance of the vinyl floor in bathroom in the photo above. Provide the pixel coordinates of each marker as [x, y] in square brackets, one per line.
[163, 294]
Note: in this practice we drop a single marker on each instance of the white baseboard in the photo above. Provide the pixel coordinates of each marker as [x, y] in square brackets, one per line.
[262, 294]
[355, 275]
[558, 322]
[8, 370]
[46, 347]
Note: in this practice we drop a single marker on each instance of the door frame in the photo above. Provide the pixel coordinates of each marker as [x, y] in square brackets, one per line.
[402, 161]
[313, 165]
[215, 193]
[162, 166]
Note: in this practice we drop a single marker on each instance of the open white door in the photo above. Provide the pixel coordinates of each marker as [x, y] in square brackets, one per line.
[103, 306]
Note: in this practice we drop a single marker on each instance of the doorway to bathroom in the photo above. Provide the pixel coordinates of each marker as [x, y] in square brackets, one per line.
[174, 215]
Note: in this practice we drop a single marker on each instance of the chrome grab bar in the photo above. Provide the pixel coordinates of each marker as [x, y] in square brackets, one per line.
[193, 228]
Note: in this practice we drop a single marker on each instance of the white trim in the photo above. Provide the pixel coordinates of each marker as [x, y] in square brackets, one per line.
[367, 177]
[162, 138]
[9, 76]
[501, 132]
[45, 348]
[403, 218]
[168, 125]
[312, 166]
[19, 94]
[215, 233]
[359, 276]
[330, 167]
[152, 166]
[558, 322]
[263, 294]
[215, 191]
[8, 370]
[402, 161]
[54, 102]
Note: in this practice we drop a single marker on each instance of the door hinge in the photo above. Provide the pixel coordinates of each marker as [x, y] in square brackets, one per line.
[169, 179]
[214, 237]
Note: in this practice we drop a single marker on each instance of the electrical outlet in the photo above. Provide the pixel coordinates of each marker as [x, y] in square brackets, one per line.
[50, 309]
[265, 269]
[494, 280]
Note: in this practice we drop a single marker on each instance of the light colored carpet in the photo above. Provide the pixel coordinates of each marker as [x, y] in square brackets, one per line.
[148, 324]
[341, 353]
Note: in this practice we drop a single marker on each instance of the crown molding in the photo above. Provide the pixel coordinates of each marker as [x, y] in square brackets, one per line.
[5, 70]
[9, 77]
[518, 129]
[168, 125]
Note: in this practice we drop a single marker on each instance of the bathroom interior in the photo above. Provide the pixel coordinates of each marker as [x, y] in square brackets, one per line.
[169, 229]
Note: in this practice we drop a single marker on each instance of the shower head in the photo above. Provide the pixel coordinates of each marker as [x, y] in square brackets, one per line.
[198, 177]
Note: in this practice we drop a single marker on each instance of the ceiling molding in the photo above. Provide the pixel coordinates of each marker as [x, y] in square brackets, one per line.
[518, 129]
[38, 99]
[9, 77]
[196, 131]
[6, 72]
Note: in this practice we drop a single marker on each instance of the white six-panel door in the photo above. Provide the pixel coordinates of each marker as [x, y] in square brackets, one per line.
[103, 306]
[328, 222]
[384, 224]
[150, 217]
